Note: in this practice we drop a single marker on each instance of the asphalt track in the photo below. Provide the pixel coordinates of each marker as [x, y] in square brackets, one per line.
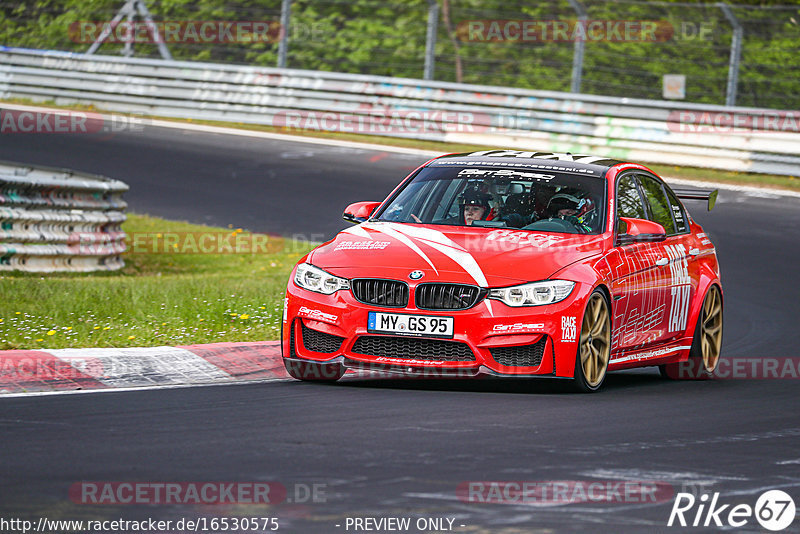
[395, 447]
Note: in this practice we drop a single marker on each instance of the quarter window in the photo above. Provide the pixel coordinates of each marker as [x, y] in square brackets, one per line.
[678, 213]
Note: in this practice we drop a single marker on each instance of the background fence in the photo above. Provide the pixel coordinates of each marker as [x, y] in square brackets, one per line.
[57, 220]
[743, 54]
[638, 130]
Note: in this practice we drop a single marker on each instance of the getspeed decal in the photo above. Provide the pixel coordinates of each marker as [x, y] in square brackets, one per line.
[317, 315]
[362, 245]
[517, 327]
[505, 173]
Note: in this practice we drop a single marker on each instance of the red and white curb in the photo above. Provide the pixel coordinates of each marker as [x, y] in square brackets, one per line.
[61, 370]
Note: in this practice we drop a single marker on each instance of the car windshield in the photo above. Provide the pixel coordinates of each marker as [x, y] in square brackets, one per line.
[498, 198]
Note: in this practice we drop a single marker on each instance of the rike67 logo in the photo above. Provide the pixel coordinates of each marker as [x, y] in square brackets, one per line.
[774, 510]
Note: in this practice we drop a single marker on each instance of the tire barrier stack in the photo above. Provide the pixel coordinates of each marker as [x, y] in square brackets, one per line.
[54, 220]
[655, 131]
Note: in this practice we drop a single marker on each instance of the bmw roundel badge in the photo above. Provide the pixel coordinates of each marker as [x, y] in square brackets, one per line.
[416, 275]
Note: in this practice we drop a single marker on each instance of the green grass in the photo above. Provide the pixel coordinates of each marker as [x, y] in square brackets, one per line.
[688, 173]
[157, 299]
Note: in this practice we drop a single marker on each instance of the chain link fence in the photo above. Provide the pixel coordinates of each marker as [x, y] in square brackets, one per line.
[746, 55]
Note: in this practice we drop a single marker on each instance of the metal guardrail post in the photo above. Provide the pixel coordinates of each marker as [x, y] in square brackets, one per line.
[430, 39]
[736, 54]
[579, 48]
[128, 11]
[283, 45]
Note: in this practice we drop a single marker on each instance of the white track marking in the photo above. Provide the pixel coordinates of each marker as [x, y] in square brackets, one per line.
[142, 366]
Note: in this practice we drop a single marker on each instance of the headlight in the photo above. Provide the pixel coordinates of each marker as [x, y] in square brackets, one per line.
[533, 294]
[315, 279]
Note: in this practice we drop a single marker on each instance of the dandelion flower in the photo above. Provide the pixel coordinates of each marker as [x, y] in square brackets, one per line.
[97, 328]
[131, 337]
[106, 328]
[40, 339]
[244, 316]
[51, 332]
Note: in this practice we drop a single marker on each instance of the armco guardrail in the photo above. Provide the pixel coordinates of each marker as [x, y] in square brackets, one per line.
[640, 130]
[58, 220]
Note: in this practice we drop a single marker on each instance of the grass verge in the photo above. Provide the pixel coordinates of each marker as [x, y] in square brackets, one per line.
[160, 297]
[687, 173]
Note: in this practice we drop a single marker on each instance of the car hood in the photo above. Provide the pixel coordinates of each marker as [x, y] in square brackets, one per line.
[487, 257]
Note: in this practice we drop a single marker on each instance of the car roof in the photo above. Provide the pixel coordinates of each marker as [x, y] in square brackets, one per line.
[564, 162]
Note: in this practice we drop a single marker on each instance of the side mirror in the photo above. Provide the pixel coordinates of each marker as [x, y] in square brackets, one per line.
[359, 212]
[639, 231]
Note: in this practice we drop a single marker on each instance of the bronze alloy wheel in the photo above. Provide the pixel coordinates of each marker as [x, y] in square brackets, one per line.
[594, 348]
[711, 329]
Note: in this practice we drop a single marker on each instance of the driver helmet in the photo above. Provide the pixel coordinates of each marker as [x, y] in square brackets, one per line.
[473, 197]
[571, 200]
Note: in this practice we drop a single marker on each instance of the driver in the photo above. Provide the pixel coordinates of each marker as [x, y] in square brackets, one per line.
[571, 206]
[474, 207]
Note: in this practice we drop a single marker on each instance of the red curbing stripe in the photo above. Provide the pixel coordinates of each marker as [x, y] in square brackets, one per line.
[248, 360]
[34, 370]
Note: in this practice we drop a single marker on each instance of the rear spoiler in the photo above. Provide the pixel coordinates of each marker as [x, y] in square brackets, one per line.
[698, 194]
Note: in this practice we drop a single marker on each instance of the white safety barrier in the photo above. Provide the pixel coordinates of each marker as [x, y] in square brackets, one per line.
[58, 220]
[666, 132]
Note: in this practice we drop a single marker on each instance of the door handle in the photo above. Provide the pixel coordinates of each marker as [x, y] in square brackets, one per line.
[694, 252]
[662, 261]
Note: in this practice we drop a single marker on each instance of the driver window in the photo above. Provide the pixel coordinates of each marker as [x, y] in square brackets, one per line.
[659, 205]
[629, 201]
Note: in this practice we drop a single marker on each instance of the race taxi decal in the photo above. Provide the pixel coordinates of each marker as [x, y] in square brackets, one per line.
[681, 289]
[317, 315]
[569, 328]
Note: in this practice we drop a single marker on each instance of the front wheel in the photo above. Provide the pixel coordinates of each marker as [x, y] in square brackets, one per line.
[594, 347]
[314, 372]
[706, 343]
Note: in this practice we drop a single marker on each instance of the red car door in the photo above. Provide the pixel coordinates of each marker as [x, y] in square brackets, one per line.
[675, 274]
[637, 285]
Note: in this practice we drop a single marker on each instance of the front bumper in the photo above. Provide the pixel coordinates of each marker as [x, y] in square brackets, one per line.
[493, 338]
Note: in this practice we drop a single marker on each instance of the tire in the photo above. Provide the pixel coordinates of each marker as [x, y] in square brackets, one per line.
[706, 343]
[314, 372]
[594, 345]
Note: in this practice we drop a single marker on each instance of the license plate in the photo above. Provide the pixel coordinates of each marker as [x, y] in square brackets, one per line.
[410, 325]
